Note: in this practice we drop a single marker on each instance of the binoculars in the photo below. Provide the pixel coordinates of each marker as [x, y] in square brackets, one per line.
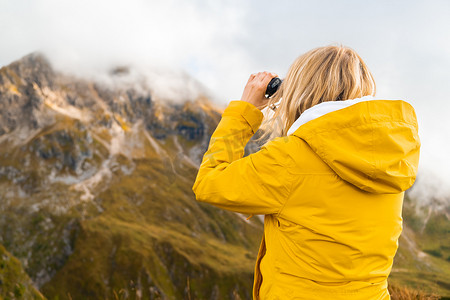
[273, 86]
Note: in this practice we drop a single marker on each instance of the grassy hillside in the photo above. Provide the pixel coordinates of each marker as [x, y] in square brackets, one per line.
[155, 240]
[423, 261]
[96, 183]
[14, 281]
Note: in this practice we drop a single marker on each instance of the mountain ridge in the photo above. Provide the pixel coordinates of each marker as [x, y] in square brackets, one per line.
[96, 180]
[86, 163]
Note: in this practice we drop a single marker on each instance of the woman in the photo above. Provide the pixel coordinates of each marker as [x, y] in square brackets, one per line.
[330, 182]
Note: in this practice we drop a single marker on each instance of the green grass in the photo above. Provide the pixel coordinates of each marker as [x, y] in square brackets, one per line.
[14, 281]
[424, 264]
[144, 235]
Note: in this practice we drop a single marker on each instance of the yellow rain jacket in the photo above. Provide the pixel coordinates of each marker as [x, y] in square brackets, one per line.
[331, 193]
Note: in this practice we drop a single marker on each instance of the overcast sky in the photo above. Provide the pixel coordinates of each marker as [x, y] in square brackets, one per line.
[405, 43]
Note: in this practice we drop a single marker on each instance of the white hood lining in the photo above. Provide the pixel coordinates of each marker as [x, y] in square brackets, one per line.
[324, 108]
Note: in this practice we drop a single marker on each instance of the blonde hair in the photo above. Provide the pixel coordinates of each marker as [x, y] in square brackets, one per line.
[331, 73]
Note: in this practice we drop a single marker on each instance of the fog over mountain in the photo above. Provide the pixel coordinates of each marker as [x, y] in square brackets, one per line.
[221, 43]
[101, 135]
[96, 177]
[95, 190]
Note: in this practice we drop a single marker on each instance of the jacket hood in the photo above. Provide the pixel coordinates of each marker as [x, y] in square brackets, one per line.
[370, 143]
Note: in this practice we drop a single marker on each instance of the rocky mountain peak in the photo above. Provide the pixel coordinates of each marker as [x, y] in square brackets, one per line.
[95, 192]
[85, 161]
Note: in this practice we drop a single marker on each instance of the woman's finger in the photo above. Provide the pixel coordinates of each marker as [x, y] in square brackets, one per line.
[267, 78]
[252, 77]
[265, 75]
[262, 75]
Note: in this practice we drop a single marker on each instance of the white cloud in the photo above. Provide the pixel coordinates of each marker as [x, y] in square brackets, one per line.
[220, 43]
[85, 36]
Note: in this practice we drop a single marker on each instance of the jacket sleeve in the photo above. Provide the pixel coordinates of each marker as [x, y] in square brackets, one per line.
[255, 184]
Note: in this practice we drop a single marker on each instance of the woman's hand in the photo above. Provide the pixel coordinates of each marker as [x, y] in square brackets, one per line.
[255, 89]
